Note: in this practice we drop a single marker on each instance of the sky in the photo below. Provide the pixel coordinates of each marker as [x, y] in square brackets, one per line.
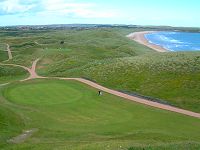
[136, 12]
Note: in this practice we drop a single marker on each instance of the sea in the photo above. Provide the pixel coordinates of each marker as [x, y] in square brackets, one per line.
[175, 41]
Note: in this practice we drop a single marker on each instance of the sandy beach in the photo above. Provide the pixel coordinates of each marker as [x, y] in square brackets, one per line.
[139, 37]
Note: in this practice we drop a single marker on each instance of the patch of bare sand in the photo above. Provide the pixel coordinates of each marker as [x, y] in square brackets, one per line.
[140, 38]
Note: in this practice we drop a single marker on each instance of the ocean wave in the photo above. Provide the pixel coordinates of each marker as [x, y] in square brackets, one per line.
[170, 40]
[176, 41]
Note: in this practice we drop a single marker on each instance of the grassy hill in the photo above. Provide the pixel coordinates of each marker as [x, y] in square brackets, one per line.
[173, 77]
[9, 73]
[79, 47]
[106, 56]
[3, 53]
[71, 115]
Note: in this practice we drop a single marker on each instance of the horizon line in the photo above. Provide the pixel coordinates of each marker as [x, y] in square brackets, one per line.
[98, 24]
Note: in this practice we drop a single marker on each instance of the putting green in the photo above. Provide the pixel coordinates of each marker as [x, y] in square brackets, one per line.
[71, 114]
[44, 94]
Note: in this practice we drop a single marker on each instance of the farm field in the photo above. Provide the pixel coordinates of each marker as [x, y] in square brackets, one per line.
[71, 115]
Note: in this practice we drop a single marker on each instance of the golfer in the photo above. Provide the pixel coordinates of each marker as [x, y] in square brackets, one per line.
[100, 93]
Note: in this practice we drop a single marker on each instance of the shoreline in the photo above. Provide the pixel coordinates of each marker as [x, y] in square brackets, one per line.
[140, 38]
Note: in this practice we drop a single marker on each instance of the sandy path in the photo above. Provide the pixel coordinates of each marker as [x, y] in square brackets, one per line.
[9, 52]
[34, 75]
[32, 72]
[4, 84]
[139, 37]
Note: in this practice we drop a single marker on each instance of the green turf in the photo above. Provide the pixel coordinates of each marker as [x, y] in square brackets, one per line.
[3, 55]
[91, 53]
[71, 115]
[10, 73]
[172, 77]
[10, 124]
[106, 56]
[79, 48]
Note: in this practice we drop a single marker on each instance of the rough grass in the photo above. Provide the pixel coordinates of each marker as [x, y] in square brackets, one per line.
[10, 124]
[3, 53]
[108, 57]
[173, 77]
[9, 73]
[79, 47]
[71, 115]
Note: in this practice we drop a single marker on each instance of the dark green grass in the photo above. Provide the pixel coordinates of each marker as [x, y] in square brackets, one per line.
[70, 115]
[9, 74]
[3, 56]
[3, 53]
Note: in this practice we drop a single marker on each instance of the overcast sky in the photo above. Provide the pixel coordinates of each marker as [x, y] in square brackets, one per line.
[137, 12]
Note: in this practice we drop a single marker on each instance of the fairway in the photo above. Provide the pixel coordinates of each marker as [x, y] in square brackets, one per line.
[71, 115]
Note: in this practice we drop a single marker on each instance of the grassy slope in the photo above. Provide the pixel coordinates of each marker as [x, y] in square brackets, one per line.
[108, 57]
[70, 115]
[25, 51]
[94, 55]
[9, 73]
[10, 124]
[3, 53]
[79, 47]
[173, 77]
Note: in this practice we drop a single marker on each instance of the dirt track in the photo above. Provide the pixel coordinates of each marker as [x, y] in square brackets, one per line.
[32, 71]
[33, 75]
[9, 52]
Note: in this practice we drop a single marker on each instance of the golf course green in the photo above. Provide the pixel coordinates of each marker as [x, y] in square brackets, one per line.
[71, 115]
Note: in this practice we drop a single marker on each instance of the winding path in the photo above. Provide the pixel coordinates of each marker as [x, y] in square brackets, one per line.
[34, 75]
[9, 52]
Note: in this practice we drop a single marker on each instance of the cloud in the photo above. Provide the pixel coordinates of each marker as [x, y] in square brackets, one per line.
[15, 6]
[60, 8]
[75, 9]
